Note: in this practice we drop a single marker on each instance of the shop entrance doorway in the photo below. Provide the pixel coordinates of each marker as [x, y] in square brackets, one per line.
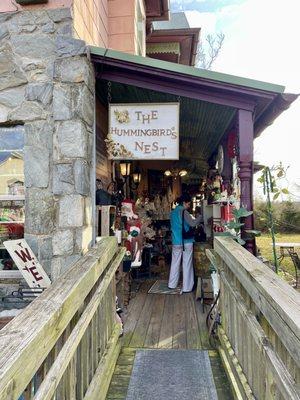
[220, 116]
[140, 194]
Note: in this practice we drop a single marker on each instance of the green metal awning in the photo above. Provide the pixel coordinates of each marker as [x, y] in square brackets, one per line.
[187, 70]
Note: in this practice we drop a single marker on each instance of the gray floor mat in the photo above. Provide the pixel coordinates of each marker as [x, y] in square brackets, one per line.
[171, 375]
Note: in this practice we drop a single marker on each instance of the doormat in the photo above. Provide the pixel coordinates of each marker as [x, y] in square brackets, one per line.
[161, 287]
[171, 375]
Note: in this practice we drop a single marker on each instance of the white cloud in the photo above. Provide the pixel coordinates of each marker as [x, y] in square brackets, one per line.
[261, 42]
[206, 21]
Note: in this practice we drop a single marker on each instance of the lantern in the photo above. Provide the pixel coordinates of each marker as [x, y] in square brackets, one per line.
[125, 167]
[137, 176]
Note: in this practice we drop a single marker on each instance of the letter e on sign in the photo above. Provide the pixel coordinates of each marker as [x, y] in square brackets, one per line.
[27, 263]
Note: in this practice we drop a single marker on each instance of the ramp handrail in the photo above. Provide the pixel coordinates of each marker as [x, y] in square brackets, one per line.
[65, 343]
[260, 324]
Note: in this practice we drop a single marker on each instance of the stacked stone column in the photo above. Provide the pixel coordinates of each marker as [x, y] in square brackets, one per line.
[47, 84]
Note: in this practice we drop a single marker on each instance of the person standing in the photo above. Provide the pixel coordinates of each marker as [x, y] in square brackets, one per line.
[182, 244]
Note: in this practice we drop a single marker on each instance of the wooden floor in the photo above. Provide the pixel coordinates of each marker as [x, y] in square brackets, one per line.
[164, 321]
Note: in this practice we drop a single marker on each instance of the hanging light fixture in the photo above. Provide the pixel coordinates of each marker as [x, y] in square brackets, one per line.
[137, 176]
[125, 167]
[176, 172]
[182, 173]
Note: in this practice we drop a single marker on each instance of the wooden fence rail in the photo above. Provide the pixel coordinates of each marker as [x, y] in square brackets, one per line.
[260, 325]
[64, 345]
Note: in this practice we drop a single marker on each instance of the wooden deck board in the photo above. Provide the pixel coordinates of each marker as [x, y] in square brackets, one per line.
[166, 331]
[153, 332]
[193, 336]
[134, 312]
[201, 317]
[141, 328]
[164, 321]
[179, 324]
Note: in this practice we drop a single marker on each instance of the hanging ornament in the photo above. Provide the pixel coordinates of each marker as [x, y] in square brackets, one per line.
[231, 144]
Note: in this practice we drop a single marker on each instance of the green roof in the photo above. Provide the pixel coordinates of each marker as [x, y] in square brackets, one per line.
[187, 70]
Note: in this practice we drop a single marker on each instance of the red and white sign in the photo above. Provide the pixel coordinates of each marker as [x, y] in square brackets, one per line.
[27, 263]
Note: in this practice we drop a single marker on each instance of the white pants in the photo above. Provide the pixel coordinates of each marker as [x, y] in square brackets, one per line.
[187, 267]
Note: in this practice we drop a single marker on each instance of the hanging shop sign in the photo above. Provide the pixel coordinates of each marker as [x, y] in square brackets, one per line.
[27, 263]
[143, 131]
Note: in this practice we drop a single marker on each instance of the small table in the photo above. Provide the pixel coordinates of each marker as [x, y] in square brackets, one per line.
[284, 249]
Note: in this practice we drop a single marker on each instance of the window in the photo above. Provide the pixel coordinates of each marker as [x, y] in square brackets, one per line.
[140, 28]
[11, 162]
[12, 196]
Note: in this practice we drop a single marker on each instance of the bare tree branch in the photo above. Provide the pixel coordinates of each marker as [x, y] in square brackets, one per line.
[207, 55]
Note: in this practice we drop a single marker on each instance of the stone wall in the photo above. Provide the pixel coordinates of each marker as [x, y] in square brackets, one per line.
[47, 84]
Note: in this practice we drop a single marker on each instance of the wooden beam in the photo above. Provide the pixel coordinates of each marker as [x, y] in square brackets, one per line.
[185, 89]
[245, 123]
[98, 388]
[230, 375]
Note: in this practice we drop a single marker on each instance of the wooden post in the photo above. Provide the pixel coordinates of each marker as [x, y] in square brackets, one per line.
[245, 140]
[227, 167]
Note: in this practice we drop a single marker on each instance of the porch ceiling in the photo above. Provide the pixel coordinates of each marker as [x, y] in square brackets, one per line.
[202, 124]
[208, 99]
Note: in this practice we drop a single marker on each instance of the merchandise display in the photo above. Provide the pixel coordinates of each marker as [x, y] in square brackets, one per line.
[12, 217]
[142, 220]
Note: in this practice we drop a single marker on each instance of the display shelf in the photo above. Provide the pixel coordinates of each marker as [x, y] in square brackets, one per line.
[223, 202]
[11, 274]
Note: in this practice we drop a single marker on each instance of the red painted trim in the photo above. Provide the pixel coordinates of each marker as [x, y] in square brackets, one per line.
[180, 89]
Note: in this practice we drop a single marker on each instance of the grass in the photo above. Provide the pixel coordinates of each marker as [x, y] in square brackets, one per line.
[264, 243]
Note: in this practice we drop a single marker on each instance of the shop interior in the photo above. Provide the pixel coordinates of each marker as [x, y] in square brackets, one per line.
[135, 197]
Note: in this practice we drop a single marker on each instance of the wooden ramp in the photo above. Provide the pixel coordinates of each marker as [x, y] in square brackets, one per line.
[167, 322]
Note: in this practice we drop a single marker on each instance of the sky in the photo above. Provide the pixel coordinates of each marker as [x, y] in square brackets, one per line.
[261, 42]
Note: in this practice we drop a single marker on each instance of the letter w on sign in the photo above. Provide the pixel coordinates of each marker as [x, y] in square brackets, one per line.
[27, 263]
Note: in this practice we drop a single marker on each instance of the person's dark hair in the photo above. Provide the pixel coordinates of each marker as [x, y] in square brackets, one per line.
[184, 198]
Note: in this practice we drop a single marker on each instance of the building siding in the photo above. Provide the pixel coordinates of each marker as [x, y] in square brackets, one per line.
[91, 21]
[121, 20]
[104, 23]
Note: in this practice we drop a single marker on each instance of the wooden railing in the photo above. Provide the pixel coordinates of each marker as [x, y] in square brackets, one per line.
[260, 326]
[65, 343]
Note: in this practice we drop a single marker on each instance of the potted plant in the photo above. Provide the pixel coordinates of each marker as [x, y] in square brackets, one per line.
[234, 226]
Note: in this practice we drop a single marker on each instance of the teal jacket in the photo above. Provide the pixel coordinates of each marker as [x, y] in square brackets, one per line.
[176, 226]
